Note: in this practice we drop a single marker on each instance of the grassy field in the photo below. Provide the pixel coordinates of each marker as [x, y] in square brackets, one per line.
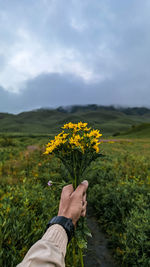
[119, 183]
[119, 194]
[120, 197]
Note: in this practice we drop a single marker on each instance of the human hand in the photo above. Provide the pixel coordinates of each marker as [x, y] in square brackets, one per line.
[73, 203]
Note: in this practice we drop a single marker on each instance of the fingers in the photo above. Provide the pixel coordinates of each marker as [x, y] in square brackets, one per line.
[84, 205]
[67, 190]
[83, 213]
[81, 189]
[84, 198]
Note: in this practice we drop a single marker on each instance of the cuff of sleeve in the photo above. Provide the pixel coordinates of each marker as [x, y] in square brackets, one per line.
[58, 236]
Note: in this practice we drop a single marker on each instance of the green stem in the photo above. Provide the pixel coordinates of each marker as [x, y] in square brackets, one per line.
[81, 257]
[74, 170]
[74, 252]
[75, 183]
[80, 170]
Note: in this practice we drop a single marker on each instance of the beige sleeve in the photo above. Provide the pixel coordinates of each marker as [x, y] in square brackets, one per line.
[49, 251]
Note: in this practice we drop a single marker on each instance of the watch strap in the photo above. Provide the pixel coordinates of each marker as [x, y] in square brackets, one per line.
[66, 223]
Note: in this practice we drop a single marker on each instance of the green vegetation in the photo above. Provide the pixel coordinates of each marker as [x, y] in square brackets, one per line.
[139, 131]
[119, 184]
[108, 119]
[120, 196]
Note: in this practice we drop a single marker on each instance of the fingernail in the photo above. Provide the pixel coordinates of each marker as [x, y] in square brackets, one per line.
[85, 182]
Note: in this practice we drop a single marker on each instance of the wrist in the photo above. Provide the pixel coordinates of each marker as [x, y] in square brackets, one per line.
[67, 216]
[65, 222]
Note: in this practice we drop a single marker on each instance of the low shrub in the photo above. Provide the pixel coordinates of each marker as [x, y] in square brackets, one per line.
[25, 210]
[121, 204]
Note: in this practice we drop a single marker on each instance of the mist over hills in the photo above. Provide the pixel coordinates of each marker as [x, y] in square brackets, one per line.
[109, 119]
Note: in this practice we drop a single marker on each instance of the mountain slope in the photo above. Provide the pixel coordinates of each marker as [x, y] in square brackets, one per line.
[142, 130]
[109, 120]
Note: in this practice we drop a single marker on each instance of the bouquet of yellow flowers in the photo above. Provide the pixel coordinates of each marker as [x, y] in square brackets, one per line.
[76, 146]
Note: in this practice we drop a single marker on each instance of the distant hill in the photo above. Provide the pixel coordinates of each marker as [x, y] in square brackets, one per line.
[110, 120]
[142, 130]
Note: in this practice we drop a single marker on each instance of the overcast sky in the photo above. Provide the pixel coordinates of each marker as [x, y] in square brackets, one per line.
[64, 52]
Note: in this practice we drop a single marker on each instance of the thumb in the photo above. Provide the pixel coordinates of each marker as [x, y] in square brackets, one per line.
[81, 189]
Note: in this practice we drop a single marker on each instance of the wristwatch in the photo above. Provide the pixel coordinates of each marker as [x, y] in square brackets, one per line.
[66, 223]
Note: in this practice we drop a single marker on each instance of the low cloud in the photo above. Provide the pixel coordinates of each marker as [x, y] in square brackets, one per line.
[53, 90]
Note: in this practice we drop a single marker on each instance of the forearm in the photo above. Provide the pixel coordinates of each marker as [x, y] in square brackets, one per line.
[49, 251]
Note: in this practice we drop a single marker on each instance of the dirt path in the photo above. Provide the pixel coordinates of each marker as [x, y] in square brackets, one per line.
[98, 254]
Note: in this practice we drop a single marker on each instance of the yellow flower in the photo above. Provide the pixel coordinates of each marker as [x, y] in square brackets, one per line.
[94, 133]
[82, 148]
[94, 140]
[87, 129]
[64, 141]
[69, 125]
[75, 140]
[65, 135]
[77, 137]
[96, 148]
[81, 125]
